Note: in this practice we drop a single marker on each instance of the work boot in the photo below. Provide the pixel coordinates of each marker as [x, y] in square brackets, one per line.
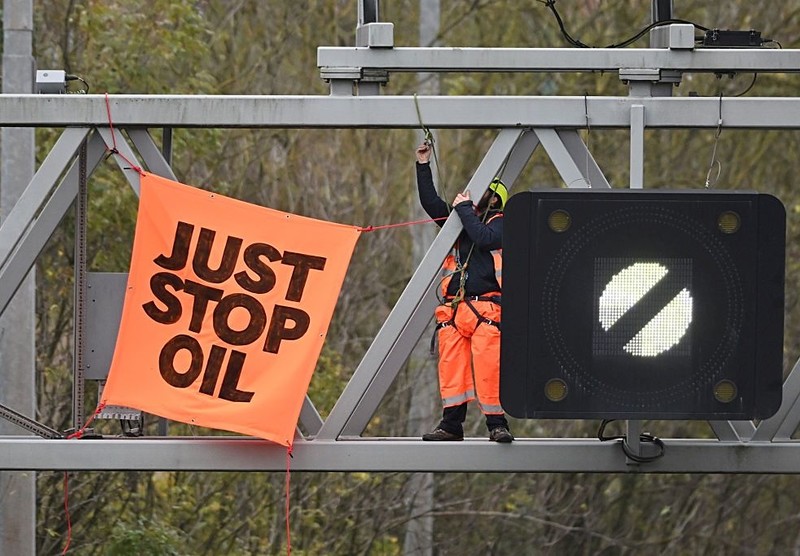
[441, 435]
[500, 434]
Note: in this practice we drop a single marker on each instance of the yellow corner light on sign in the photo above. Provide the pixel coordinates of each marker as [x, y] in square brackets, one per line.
[559, 221]
[729, 222]
[725, 391]
[555, 390]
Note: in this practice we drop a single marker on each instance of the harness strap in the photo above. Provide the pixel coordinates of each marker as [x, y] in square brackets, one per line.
[439, 325]
[496, 299]
[481, 318]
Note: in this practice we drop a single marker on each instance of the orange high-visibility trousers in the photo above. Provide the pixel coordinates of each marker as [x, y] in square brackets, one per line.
[469, 355]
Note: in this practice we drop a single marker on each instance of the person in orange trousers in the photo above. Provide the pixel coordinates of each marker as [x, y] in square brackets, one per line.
[468, 318]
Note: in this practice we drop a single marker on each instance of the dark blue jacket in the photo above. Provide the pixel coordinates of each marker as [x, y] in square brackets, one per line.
[485, 237]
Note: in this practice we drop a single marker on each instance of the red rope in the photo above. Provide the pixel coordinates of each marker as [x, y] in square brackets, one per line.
[80, 432]
[288, 530]
[77, 434]
[66, 510]
[373, 228]
[114, 150]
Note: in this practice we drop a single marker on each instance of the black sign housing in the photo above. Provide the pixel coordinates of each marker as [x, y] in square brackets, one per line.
[621, 304]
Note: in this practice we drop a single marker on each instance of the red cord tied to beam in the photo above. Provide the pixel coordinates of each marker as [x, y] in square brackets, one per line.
[82, 431]
[289, 457]
[114, 149]
[383, 227]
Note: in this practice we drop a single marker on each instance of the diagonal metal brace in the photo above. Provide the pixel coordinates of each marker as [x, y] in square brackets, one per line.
[28, 424]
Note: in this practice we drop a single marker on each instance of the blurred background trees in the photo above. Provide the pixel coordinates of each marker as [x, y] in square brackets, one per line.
[366, 177]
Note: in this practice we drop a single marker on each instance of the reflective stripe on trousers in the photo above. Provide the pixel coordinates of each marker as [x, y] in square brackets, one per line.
[458, 400]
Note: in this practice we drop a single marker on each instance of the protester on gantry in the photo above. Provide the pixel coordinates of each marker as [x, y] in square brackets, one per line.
[468, 319]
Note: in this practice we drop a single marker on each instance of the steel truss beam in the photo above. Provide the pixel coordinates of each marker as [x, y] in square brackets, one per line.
[574, 455]
[335, 443]
[398, 112]
[334, 61]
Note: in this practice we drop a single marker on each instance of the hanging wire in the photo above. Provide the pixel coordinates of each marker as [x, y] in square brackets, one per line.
[750, 86]
[429, 140]
[425, 129]
[588, 135]
[585, 177]
[714, 162]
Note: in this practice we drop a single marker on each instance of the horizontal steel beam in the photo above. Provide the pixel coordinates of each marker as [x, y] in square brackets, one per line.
[333, 60]
[573, 455]
[337, 112]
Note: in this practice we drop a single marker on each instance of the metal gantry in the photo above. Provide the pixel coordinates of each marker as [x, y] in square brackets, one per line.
[523, 123]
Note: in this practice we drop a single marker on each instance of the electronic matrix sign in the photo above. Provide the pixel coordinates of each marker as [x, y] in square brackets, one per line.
[623, 304]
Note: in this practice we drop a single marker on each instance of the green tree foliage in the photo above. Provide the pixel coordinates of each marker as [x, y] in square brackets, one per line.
[365, 177]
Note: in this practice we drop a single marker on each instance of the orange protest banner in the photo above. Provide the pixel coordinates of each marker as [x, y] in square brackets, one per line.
[226, 310]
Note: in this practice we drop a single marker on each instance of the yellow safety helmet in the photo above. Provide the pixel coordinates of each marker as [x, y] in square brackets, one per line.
[501, 190]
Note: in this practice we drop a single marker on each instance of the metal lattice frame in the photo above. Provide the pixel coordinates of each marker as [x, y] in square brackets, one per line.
[524, 123]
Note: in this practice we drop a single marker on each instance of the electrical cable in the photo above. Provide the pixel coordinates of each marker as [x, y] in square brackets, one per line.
[70, 77]
[588, 137]
[643, 437]
[551, 5]
[661, 23]
[750, 86]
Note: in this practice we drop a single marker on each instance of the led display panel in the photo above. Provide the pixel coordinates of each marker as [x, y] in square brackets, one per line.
[622, 304]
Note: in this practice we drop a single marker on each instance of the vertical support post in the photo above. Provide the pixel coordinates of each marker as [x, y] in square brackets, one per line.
[79, 342]
[637, 146]
[633, 432]
[166, 144]
[371, 33]
[367, 12]
[17, 324]
[660, 10]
